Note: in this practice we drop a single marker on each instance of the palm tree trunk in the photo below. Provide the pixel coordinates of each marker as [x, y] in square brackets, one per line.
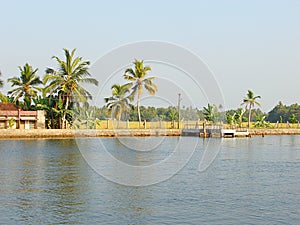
[138, 109]
[249, 116]
[65, 113]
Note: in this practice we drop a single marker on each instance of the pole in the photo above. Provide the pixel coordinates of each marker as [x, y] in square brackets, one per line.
[179, 99]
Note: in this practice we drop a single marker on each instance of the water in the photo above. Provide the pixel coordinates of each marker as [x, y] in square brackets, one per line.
[252, 181]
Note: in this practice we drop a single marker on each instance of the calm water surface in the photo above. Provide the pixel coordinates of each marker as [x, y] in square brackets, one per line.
[252, 181]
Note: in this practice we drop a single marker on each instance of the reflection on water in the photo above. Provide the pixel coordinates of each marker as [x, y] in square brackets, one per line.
[251, 181]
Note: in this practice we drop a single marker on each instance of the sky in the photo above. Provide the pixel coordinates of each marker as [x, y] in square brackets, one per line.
[249, 44]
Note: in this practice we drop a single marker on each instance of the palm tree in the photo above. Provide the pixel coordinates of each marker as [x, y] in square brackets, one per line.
[27, 85]
[137, 77]
[66, 80]
[118, 103]
[250, 102]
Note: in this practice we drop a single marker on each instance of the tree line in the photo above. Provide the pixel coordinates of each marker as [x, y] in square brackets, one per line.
[56, 93]
[66, 102]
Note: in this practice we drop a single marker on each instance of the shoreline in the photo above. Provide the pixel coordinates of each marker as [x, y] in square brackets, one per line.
[68, 133]
[279, 131]
[58, 133]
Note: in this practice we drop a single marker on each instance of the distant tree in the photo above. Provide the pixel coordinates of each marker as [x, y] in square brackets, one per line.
[27, 85]
[149, 113]
[283, 112]
[139, 80]
[190, 113]
[250, 101]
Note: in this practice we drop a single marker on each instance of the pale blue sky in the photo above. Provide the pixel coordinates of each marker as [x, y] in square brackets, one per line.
[250, 44]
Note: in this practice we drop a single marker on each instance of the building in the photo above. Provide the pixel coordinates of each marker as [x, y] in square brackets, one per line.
[13, 117]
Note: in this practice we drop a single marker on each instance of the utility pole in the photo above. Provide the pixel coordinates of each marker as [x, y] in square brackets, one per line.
[179, 99]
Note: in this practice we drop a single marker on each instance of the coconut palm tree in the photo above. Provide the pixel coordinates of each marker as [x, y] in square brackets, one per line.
[67, 79]
[137, 77]
[119, 103]
[27, 85]
[250, 101]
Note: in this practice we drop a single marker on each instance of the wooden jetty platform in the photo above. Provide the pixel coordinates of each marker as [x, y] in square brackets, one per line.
[214, 131]
[235, 133]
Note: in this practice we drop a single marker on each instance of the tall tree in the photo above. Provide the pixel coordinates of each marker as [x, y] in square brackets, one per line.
[119, 103]
[67, 79]
[250, 101]
[139, 80]
[27, 85]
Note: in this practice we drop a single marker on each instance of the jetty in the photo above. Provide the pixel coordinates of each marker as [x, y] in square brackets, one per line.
[235, 133]
[213, 131]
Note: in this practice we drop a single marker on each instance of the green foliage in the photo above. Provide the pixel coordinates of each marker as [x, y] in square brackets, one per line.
[230, 118]
[239, 116]
[236, 117]
[280, 119]
[293, 118]
[211, 113]
[11, 123]
[261, 122]
[86, 119]
[282, 113]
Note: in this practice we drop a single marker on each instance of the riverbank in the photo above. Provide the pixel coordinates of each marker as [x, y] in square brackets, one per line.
[57, 133]
[260, 132]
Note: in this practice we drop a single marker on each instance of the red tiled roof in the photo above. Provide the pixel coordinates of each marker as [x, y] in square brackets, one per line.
[4, 106]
